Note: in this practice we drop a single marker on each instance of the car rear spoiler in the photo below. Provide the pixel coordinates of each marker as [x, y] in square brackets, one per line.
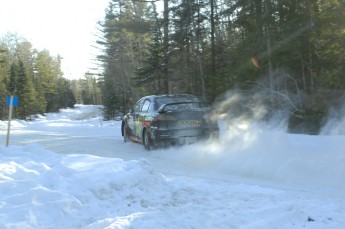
[162, 109]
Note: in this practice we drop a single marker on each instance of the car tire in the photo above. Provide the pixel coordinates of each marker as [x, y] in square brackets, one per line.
[124, 132]
[147, 141]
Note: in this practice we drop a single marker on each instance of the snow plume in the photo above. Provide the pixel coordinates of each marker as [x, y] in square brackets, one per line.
[259, 105]
[254, 144]
[336, 120]
[257, 156]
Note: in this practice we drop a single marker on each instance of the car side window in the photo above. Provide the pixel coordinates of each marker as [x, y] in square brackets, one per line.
[146, 105]
[138, 105]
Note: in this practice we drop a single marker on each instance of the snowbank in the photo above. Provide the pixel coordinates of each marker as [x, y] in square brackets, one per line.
[252, 178]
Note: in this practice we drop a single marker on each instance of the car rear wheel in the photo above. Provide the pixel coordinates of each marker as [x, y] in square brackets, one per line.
[147, 141]
[124, 131]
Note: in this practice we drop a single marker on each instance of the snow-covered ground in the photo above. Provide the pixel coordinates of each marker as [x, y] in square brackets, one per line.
[73, 170]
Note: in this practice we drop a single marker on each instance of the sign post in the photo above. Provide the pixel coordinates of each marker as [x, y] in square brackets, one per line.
[11, 101]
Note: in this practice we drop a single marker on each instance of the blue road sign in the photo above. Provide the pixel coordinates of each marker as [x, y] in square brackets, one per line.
[14, 102]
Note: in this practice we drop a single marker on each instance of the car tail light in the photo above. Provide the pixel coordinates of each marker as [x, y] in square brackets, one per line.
[164, 117]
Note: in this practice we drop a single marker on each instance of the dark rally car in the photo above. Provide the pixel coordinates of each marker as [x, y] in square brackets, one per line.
[163, 120]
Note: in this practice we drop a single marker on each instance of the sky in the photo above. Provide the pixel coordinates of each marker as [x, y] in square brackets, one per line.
[64, 27]
[73, 170]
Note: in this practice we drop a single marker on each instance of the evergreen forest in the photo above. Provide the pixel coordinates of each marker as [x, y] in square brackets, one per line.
[284, 55]
[33, 76]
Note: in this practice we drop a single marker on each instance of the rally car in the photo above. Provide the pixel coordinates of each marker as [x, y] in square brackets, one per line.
[164, 120]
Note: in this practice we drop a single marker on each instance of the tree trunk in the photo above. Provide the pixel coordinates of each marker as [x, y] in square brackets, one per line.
[166, 48]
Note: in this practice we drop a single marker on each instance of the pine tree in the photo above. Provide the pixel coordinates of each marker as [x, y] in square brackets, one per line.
[329, 43]
[151, 72]
[124, 47]
[3, 90]
[24, 91]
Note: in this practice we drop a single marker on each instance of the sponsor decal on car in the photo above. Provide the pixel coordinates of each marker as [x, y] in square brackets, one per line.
[146, 123]
[148, 118]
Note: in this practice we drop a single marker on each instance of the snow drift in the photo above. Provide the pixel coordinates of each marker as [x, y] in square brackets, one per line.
[254, 177]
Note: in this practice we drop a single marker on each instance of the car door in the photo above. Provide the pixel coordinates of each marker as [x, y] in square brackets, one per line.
[142, 117]
[133, 119]
[145, 115]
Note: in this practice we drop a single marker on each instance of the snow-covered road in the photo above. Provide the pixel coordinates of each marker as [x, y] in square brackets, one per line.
[73, 170]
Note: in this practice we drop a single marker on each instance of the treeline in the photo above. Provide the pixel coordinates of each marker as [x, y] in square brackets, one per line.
[35, 77]
[87, 91]
[293, 51]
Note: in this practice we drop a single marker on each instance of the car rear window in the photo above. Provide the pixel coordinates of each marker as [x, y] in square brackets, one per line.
[175, 99]
[187, 107]
[181, 103]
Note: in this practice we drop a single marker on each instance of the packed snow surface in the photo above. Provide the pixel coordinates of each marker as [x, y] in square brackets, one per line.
[73, 170]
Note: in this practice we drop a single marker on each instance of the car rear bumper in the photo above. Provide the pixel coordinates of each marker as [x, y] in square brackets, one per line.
[183, 136]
